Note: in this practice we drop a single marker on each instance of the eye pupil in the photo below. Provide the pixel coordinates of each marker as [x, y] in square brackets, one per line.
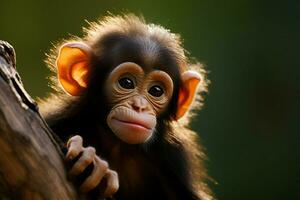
[126, 83]
[156, 91]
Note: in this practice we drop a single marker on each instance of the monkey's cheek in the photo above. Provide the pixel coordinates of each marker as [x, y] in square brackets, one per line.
[129, 132]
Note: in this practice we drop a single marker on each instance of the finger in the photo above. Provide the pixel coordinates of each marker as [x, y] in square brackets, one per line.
[85, 160]
[74, 147]
[100, 169]
[112, 183]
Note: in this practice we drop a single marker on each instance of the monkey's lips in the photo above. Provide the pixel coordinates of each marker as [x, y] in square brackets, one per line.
[134, 125]
[131, 132]
[132, 128]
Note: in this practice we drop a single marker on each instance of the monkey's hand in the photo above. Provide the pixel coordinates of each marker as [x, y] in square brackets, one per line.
[100, 172]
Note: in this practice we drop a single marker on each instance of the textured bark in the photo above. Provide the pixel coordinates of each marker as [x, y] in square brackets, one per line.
[31, 160]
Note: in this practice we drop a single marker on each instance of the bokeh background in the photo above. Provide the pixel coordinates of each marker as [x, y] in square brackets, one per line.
[250, 122]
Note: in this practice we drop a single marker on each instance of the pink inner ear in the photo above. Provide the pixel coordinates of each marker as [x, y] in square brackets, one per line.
[79, 73]
[190, 80]
[72, 64]
[183, 95]
[182, 99]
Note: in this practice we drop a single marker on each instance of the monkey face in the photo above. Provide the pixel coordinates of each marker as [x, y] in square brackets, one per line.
[136, 99]
[137, 95]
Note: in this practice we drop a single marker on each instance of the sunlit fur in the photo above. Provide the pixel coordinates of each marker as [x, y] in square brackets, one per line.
[174, 147]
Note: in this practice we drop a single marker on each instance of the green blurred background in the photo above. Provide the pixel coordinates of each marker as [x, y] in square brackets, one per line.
[250, 122]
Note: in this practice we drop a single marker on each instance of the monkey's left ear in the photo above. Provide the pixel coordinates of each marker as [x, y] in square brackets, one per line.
[73, 66]
[190, 79]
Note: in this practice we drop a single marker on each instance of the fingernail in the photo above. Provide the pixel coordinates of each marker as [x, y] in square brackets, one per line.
[69, 157]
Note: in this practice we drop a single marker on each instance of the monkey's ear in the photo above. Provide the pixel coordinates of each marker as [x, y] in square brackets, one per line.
[190, 79]
[73, 67]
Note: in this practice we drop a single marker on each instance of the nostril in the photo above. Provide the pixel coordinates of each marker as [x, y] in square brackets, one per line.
[135, 107]
[139, 108]
[139, 104]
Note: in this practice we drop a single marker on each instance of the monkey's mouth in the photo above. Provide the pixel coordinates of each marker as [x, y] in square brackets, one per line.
[134, 124]
[131, 127]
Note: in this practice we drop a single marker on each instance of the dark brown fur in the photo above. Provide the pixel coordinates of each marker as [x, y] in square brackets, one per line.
[170, 165]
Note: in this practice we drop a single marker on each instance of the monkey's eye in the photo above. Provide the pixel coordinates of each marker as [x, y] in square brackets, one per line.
[156, 91]
[126, 83]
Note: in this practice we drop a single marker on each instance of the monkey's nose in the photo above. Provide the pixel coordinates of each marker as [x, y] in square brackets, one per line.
[140, 104]
[139, 108]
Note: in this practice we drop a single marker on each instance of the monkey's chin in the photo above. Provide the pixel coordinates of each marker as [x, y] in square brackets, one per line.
[130, 133]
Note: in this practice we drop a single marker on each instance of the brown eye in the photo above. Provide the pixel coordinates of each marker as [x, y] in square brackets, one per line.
[156, 91]
[126, 83]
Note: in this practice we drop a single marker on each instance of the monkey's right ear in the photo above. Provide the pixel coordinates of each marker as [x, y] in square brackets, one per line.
[73, 66]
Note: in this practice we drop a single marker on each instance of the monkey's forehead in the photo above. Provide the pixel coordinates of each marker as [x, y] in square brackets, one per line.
[147, 52]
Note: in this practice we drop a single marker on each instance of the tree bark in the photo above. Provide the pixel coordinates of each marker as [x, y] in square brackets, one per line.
[31, 159]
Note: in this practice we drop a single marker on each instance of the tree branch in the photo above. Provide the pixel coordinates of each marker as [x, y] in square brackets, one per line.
[31, 160]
